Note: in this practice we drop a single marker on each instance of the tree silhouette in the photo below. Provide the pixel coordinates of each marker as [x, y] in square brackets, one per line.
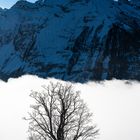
[60, 114]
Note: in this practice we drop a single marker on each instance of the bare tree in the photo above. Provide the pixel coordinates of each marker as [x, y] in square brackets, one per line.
[60, 114]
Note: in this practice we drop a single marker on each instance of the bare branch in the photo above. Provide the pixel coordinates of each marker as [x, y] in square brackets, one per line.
[60, 114]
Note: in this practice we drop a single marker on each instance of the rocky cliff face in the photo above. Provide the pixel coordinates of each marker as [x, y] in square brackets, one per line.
[76, 40]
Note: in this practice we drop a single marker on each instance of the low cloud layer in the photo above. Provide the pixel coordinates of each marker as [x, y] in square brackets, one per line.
[115, 105]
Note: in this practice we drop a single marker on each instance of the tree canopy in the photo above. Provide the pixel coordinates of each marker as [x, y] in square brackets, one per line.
[60, 114]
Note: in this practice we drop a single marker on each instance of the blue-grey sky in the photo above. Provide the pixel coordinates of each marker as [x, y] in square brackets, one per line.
[9, 3]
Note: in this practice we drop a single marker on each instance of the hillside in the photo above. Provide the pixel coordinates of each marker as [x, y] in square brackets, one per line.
[74, 40]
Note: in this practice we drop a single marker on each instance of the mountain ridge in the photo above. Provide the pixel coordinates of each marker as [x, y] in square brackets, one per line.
[74, 40]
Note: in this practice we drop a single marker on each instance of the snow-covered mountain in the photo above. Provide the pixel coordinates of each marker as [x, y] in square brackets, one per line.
[76, 40]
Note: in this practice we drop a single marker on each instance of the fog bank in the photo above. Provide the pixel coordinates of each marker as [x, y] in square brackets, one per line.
[115, 105]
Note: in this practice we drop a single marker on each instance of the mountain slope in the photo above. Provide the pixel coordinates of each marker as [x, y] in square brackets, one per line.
[76, 40]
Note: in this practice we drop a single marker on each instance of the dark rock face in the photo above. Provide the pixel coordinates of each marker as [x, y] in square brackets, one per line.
[124, 53]
[47, 41]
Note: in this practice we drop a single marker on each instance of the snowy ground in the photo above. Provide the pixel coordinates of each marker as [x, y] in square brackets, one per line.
[116, 107]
